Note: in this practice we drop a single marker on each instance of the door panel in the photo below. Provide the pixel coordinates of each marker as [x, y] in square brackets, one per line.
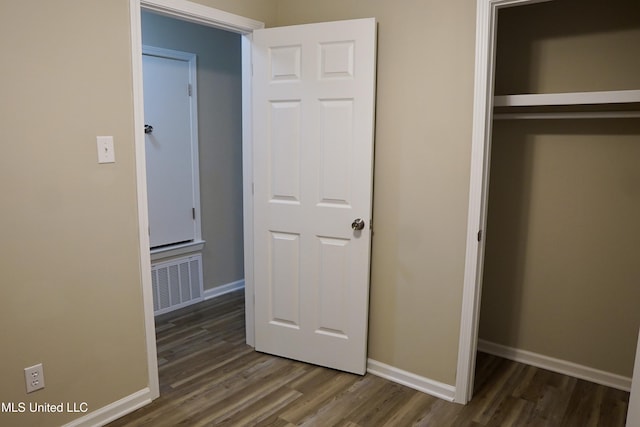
[313, 151]
[285, 279]
[285, 151]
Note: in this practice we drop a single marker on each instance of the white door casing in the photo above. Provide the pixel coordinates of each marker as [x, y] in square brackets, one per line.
[169, 79]
[633, 412]
[313, 104]
[486, 27]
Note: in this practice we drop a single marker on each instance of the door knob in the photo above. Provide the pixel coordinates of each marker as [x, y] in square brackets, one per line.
[357, 224]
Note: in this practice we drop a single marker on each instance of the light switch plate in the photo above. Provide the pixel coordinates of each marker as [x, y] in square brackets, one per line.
[106, 154]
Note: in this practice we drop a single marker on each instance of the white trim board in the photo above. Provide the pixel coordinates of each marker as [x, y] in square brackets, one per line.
[556, 365]
[247, 187]
[633, 413]
[141, 190]
[223, 289]
[416, 382]
[114, 410]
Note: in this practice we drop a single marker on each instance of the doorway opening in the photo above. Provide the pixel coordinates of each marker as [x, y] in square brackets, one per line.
[208, 17]
[205, 174]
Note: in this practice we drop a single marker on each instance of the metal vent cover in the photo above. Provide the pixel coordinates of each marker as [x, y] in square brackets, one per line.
[176, 283]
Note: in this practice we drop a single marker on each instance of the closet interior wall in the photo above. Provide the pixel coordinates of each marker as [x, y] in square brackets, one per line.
[562, 264]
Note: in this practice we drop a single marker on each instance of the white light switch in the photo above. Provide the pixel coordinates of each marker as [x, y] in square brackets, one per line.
[105, 149]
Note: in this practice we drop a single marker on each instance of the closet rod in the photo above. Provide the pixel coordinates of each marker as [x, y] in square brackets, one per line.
[574, 115]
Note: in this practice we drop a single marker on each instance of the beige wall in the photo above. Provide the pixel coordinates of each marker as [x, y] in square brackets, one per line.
[220, 138]
[260, 10]
[423, 142]
[561, 270]
[70, 293]
[583, 45]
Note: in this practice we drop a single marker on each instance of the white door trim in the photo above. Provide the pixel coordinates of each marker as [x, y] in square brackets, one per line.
[633, 412]
[204, 15]
[486, 24]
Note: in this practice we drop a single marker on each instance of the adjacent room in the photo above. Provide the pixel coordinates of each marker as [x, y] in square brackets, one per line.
[193, 159]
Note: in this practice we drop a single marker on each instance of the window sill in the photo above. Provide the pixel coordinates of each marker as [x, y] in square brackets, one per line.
[175, 250]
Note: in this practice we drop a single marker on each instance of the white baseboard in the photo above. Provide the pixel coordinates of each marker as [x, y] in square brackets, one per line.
[556, 365]
[224, 289]
[416, 382]
[114, 410]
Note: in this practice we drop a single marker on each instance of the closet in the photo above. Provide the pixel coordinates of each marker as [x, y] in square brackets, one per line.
[562, 263]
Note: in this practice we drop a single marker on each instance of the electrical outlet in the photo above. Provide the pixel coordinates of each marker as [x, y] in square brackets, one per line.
[34, 377]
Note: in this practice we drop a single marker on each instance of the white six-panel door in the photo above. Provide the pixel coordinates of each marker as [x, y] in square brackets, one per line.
[314, 94]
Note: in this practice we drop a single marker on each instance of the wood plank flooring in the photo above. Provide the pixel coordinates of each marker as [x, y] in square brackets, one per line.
[210, 377]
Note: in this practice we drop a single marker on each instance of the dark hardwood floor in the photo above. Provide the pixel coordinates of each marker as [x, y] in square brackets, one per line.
[209, 376]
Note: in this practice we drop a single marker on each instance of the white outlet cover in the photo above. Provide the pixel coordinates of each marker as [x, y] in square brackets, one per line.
[34, 377]
[106, 153]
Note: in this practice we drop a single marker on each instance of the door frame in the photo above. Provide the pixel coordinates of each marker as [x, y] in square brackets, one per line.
[204, 15]
[486, 25]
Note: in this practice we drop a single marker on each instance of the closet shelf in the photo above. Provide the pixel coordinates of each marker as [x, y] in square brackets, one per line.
[568, 115]
[569, 98]
[570, 105]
